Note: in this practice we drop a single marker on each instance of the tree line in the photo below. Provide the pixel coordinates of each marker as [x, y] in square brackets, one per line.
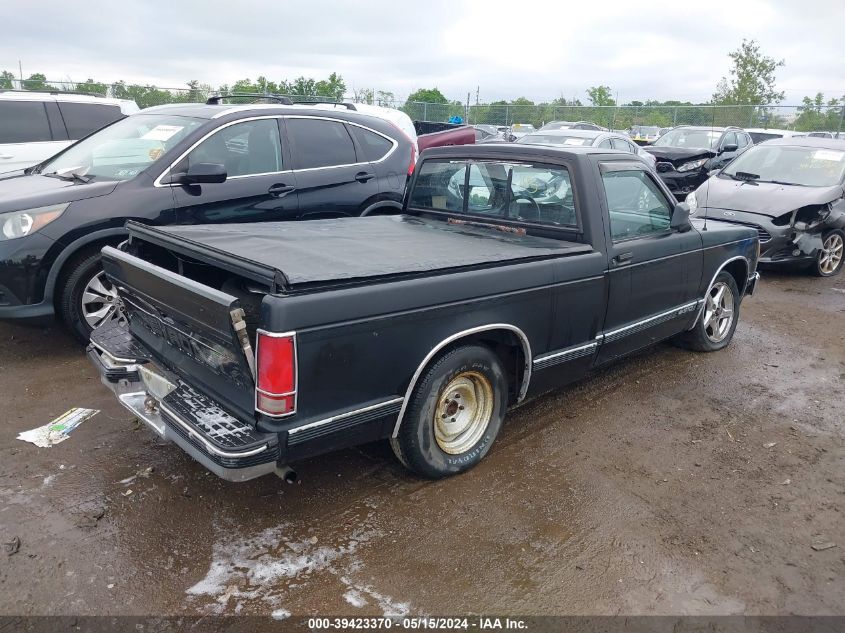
[745, 95]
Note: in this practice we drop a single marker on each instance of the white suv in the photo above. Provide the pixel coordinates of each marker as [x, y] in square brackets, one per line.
[36, 125]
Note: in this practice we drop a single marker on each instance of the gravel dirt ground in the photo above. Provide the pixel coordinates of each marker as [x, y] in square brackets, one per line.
[671, 483]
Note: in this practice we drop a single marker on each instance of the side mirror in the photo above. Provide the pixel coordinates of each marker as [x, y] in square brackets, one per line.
[731, 147]
[202, 173]
[680, 218]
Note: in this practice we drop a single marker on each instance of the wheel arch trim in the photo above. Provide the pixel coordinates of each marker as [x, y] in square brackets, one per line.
[72, 249]
[713, 280]
[526, 349]
[381, 204]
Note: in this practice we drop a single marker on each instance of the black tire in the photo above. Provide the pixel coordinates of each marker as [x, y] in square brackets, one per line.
[816, 267]
[79, 271]
[417, 447]
[700, 338]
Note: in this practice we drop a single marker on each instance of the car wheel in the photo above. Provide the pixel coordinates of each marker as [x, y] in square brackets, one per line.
[831, 255]
[719, 316]
[454, 414]
[88, 299]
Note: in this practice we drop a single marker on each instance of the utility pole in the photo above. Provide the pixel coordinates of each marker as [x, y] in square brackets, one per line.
[20, 73]
[466, 113]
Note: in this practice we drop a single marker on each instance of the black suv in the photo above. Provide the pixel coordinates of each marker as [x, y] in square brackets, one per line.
[184, 164]
[686, 154]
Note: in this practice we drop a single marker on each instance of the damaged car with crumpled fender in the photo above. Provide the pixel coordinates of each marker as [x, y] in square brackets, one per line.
[792, 191]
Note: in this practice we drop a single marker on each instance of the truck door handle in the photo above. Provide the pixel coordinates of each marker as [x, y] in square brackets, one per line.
[6, 156]
[280, 190]
[363, 176]
[622, 258]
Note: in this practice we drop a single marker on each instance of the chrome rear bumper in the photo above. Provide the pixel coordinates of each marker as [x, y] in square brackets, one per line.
[124, 380]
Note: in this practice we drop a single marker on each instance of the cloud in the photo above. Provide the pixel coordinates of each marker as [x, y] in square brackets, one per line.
[541, 50]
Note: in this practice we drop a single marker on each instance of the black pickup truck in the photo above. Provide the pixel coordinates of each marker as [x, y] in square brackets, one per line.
[512, 270]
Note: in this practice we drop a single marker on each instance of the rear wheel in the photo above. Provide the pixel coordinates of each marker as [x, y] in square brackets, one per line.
[830, 258]
[719, 316]
[87, 297]
[454, 414]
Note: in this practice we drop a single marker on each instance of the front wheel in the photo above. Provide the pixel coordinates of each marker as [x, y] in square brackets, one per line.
[88, 299]
[718, 319]
[831, 255]
[454, 414]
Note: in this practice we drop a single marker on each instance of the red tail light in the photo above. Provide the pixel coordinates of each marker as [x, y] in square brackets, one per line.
[275, 392]
[413, 162]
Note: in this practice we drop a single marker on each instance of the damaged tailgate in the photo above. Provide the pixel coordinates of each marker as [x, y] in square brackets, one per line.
[191, 329]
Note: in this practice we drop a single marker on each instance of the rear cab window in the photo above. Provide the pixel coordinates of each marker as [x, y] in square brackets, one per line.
[520, 192]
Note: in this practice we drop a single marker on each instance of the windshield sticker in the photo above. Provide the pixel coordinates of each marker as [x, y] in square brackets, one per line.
[162, 132]
[573, 141]
[828, 154]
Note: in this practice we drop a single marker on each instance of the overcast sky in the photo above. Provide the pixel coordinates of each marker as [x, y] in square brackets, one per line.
[540, 50]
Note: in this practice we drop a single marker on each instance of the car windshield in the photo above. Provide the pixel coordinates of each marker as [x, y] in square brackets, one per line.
[806, 166]
[123, 149]
[563, 125]
[689, 138]
[648, 131]
[556, 139]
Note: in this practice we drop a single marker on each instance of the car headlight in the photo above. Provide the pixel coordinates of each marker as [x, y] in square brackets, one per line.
[17, 224]
[693, 164]
[692, 202]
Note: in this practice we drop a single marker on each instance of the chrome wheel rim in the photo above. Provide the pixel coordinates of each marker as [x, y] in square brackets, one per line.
[100, 302]
[831, 254]
[718, 312]
[463, 412]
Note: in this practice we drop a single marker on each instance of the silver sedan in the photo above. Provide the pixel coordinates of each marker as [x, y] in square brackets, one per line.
[587, 138]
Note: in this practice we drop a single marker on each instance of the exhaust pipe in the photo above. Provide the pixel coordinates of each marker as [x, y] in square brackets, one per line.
[288, 474]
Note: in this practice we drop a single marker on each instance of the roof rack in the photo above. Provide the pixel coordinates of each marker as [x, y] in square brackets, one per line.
[216, 99]
[308, 101]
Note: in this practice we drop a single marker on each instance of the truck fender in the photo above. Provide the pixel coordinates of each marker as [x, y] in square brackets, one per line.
[526, 349]
[741, 285]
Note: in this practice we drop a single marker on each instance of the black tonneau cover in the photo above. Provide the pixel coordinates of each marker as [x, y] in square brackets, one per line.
[358, 248]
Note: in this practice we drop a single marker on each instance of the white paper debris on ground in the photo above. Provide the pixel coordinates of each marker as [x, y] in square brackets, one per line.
[59, 429]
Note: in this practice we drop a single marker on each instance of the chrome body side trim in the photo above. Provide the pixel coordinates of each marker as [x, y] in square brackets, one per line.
[642, 324]
[526, 349]
[564, 355]
[157, 182]
[389, 152]
[340, 416]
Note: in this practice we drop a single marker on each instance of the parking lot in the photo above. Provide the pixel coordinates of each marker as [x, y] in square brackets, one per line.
[673, 482]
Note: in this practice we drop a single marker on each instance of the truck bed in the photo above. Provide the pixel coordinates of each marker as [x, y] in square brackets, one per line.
[347, 249]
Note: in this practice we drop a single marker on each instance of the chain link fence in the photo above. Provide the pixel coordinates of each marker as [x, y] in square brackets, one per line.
[800, 118]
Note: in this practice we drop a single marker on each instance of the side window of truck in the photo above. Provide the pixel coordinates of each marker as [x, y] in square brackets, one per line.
[535, 193]
[635, 204]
